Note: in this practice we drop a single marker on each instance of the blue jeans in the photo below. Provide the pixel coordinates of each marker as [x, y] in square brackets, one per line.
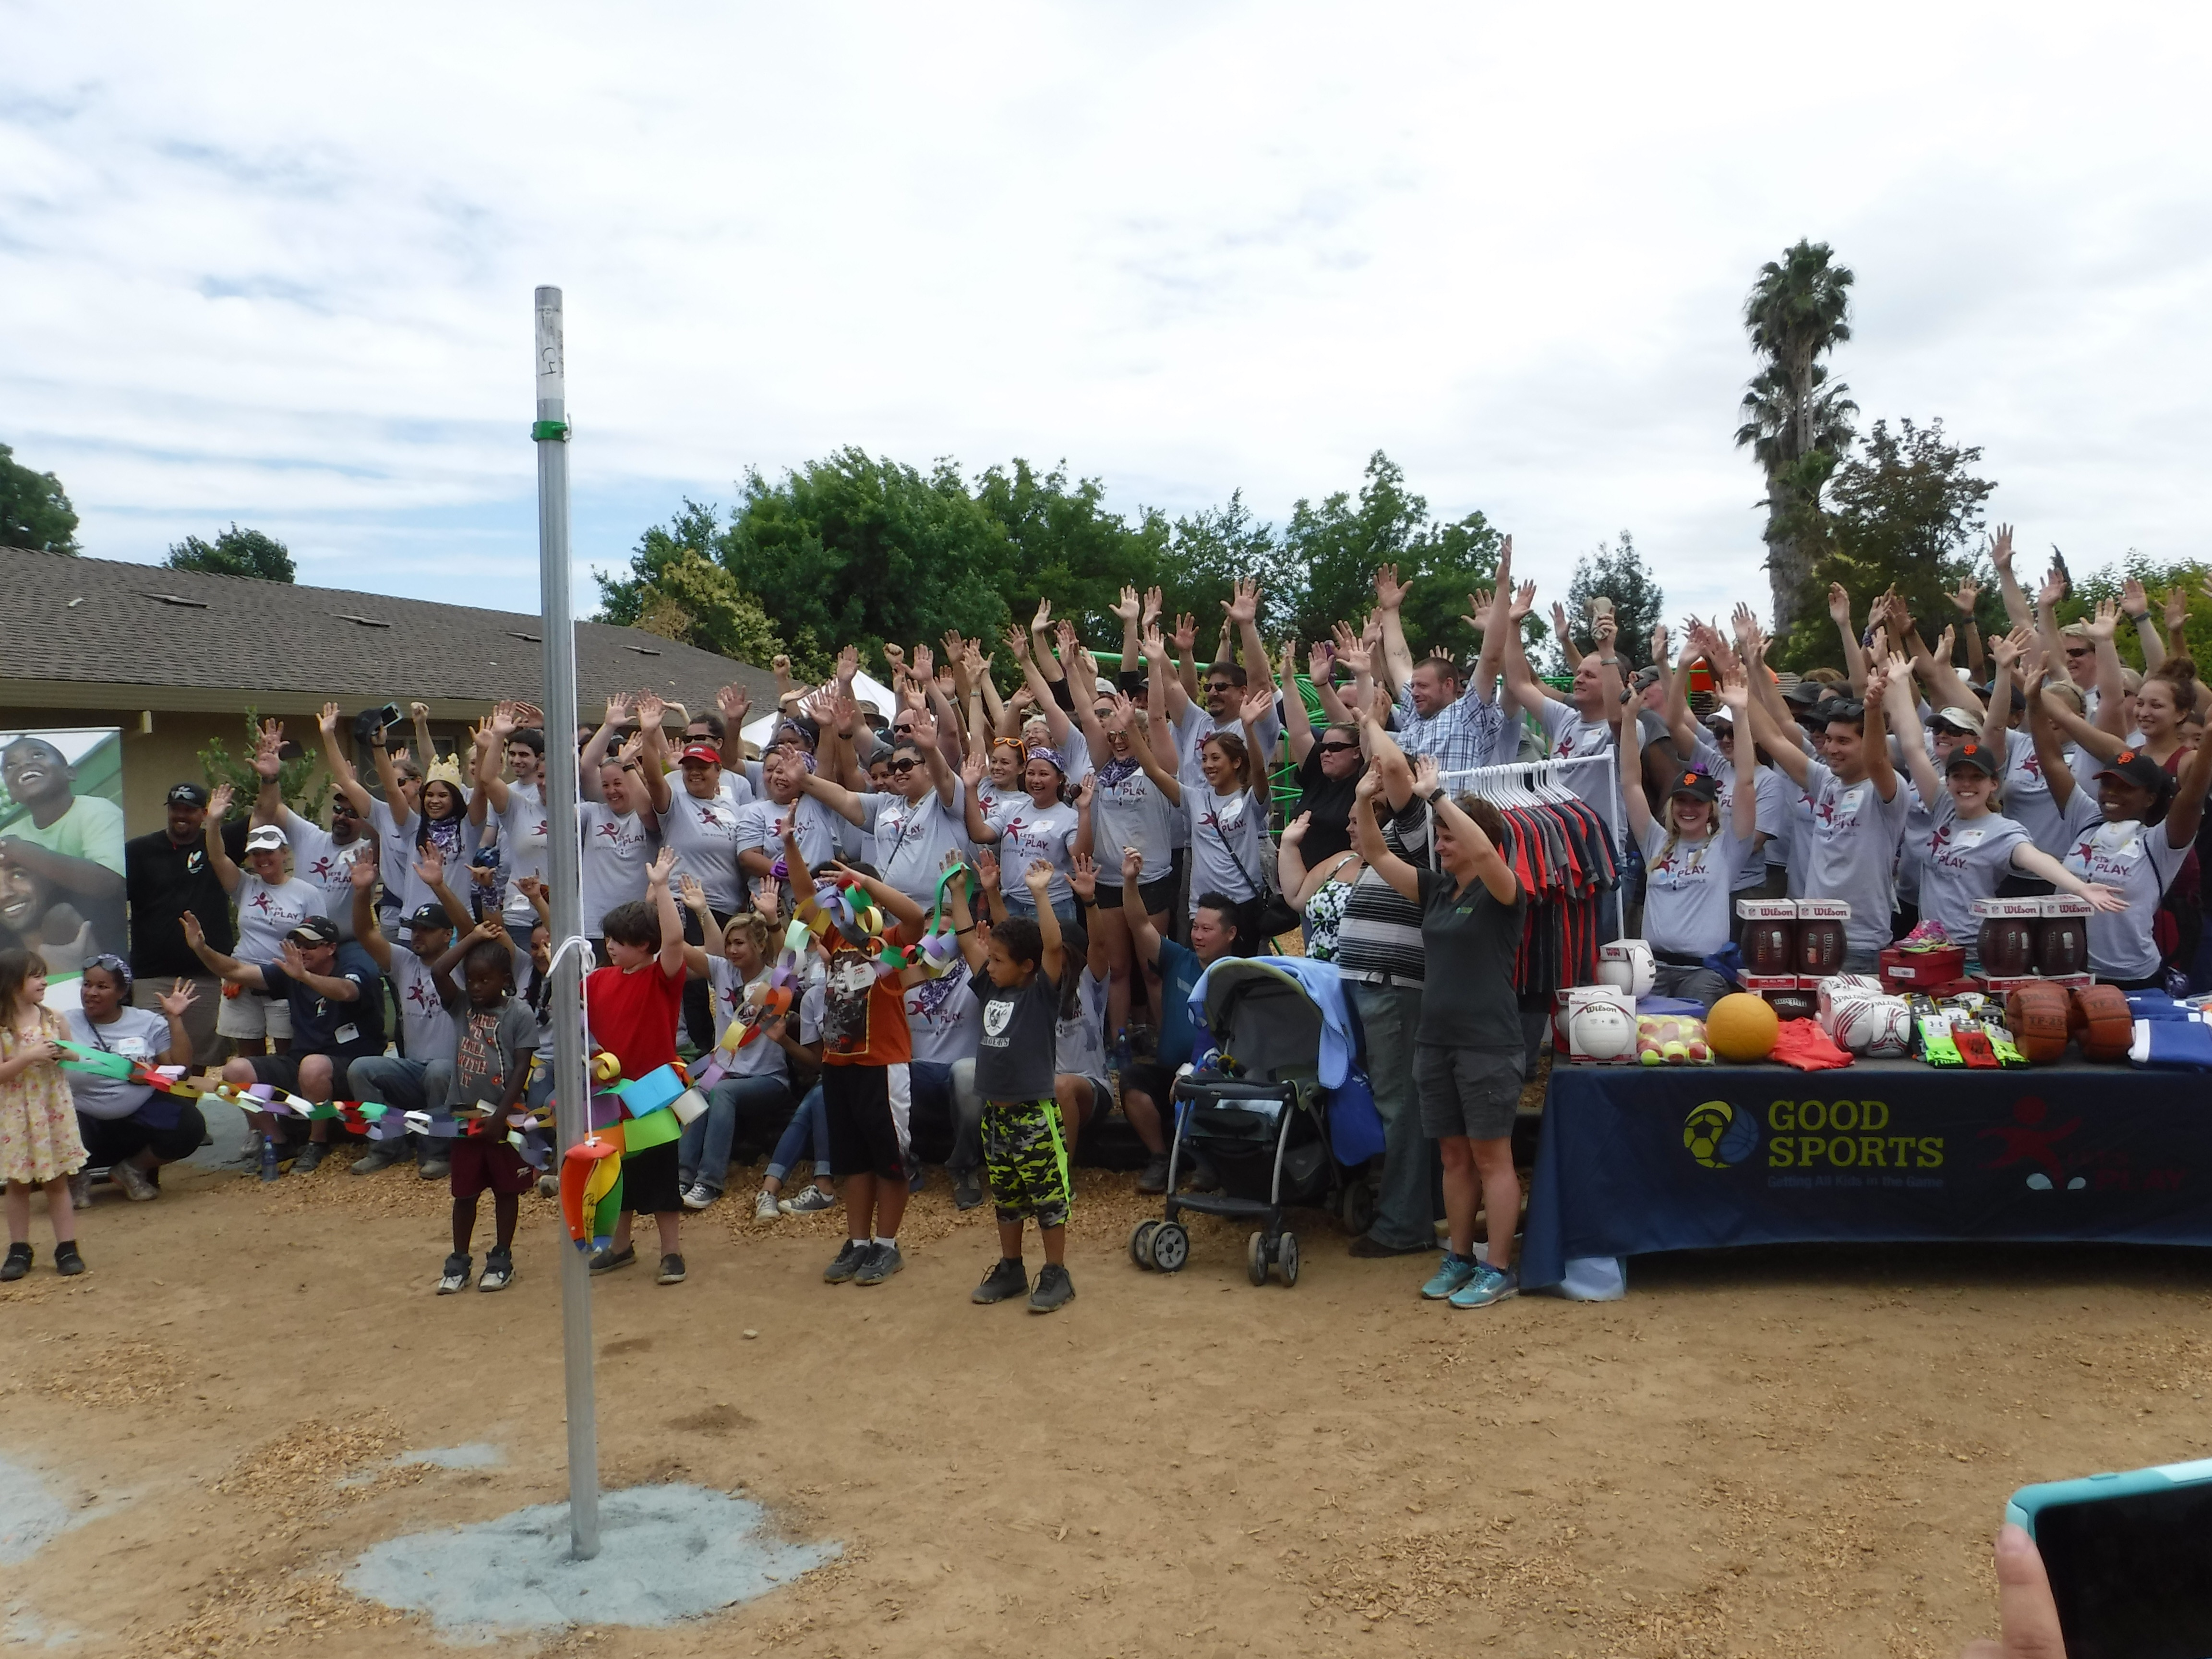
[1389, 1015]
[951, 1090]
[1018, 903]
[702, 1153]
[807, 1136]
[421, 1085]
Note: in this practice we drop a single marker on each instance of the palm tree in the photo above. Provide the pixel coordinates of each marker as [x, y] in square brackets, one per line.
[1796, 423]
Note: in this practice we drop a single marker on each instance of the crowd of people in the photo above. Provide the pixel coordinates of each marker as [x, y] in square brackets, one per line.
[981, 910]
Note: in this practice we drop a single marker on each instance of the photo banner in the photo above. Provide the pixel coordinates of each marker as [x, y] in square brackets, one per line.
[61, 844]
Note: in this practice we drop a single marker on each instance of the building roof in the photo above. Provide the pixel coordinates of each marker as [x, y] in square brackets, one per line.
[103, 631]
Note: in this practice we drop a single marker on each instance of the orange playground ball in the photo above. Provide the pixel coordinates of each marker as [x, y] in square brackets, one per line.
[1741, 1028]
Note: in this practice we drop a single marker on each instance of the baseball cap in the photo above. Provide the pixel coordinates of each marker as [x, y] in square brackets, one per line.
[314, 930]
[701, 751]
[1959, 720]
[187, 794]
[428, 915]
[2019, 697]
[1646, 676]
[266, 838]
[1722, 715]
[2133, 766]
[1699, 785]
[1805, 693]
[1973, 756]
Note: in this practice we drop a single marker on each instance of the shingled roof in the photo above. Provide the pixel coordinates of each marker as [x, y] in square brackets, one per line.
[99, 626]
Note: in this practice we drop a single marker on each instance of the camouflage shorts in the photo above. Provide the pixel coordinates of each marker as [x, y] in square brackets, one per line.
[1026, 1161]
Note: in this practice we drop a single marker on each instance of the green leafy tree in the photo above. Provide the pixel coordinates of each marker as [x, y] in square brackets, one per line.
[235, 552]
[305, 785]
[1796, 420]
[1904, 511]
[1061, 541]
[1617, 572]
[1207, 553]
[2161, 579]
[34, 511]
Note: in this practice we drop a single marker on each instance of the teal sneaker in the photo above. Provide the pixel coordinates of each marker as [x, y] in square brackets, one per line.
[1487, 1285]
[1455, 1273]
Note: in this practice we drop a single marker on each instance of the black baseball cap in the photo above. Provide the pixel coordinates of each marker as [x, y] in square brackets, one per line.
[187, 794]
[314, 930]
[1972, 757]
[1805, 692]
[428, 915]
[1698, 784]
[2133, 766]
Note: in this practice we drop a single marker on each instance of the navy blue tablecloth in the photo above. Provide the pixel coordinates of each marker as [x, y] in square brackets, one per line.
[1698, 1156]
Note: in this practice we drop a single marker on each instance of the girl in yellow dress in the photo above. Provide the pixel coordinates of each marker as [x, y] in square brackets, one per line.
[38, 1141]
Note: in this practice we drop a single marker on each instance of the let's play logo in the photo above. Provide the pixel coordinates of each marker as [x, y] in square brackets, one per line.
[1718, 1136]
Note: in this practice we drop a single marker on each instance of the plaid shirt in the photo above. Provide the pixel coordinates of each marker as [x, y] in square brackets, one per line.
[1462, 735]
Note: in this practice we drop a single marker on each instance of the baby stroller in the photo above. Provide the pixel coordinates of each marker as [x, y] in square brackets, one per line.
[1256, 1115]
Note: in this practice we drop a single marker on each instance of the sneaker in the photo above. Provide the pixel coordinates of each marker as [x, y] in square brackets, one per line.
[20, 1257]
[671, 1270]
[456, 1276]
[374, 1161]
[499, 1270]
[80, 1186]
[439, 1166]
[1055, 1289]
[304, 1160]
[765, 1208]
[1155, 1177]
[698, 1195]
[67, 1262]
[1489, 1284]
[847, 1264]
[883, 1261]
[1006, 1280]
[1451, 1278]
[138, 1185]
[606, 1261]
[1203, 1177]
[916, 1182]
[812, 1201]
[967, 1190]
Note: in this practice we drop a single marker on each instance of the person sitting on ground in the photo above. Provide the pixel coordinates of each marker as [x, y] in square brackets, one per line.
[1017, 979]
[270, 905]
[336, 999]
[131, 1129]
[769, 1071]
[1469, 1053]
[1148, 1085]
[633, 1006]
[420, 1078]
[494, 1033]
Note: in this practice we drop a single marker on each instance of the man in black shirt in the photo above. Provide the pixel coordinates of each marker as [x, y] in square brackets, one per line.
[165, 874]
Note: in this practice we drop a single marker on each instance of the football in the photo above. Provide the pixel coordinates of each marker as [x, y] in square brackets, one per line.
[1819, 947]
[1772, 947]
[2006, 946]
[2062, 945]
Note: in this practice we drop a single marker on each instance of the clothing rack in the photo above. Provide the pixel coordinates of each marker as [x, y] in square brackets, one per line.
[1600, 790]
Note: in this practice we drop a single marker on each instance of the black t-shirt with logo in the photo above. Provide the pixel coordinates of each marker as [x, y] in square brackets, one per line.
[163, 880]
[1016, 1049]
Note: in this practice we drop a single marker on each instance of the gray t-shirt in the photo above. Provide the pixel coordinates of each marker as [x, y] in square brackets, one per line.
[320, 861]
[706, 836]
[616, 851]
[1852, 851]
[1961, 859]
[1686, 888]
[523, 829]
[138, 1034]
[485, 1040]
[913, 837]
[424, 1020]
[1016, 1046]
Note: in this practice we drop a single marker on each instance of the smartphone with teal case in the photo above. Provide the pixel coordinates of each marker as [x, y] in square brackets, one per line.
[2130, 1556]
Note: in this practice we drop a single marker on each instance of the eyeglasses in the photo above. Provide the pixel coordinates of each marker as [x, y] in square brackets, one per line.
[904, 765]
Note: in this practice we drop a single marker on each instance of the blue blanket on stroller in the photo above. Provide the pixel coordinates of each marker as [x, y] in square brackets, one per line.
[1355, 1127]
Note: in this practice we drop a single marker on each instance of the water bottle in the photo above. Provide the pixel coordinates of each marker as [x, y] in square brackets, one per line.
[269, 1158]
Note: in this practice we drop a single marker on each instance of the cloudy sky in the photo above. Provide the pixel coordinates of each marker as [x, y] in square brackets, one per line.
[274, 264]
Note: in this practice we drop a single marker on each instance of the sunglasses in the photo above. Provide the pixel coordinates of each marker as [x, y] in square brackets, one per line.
[1337, 748]
[2077, 650]
[904, 765]
[1220, 685]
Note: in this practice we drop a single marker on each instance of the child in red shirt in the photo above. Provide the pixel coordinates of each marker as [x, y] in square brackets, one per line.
[633, 1007]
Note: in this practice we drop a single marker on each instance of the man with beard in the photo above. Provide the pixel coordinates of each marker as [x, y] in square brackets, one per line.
[166, 874]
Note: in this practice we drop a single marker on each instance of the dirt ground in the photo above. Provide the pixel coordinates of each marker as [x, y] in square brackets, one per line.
[1800, 1452]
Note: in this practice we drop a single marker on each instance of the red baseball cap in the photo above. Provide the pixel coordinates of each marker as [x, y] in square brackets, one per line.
[702, 751]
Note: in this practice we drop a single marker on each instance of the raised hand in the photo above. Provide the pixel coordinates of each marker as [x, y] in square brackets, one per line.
[504, 720]
[530, 888]
[1186, 633]
[1560, 630]
[2133, 603]
[1602, 632]
[1839, 604]
[1744, 624]
[193, 934]
[295, 960]
[2007, 650]
[924, 664]
[2177, 616]
[1085, 790]
[1295, 830]
[219, 803]
[1428, 777]
[1128, 607]
[267, 761]
[2001, 550]
[733, 702]
[1258, 701]
[1016, 640]
[1735, 696]
[1083, 877]
[1524, 601]
[1659, 641]
[656, 872]
[178, 997]
[650, 711]
[1390, 592]
[328, 721]
[1242, 606]
[1133, 866]
[1037, 877]
[987, 870]
[1352, 651]
[690, 892]
[361, 873]
[2104, 624]
[1968, 592]
[1064, 631]
[1152, 606]
[431, 866]
[2053, 588]
[848, 664]
[1477, 615]
[925, 732]
[619, 705]
[1947, 643]
[1320, 662]
[1042, 620]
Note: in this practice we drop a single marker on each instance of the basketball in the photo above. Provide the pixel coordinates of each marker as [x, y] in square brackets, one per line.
[1741, 1028]
[2036, 1017]
[2107, 1023]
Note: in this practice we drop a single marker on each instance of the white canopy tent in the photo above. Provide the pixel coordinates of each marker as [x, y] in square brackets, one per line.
[868, 691]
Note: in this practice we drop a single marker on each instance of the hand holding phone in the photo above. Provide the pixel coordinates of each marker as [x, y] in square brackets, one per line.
[2125, 1561]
